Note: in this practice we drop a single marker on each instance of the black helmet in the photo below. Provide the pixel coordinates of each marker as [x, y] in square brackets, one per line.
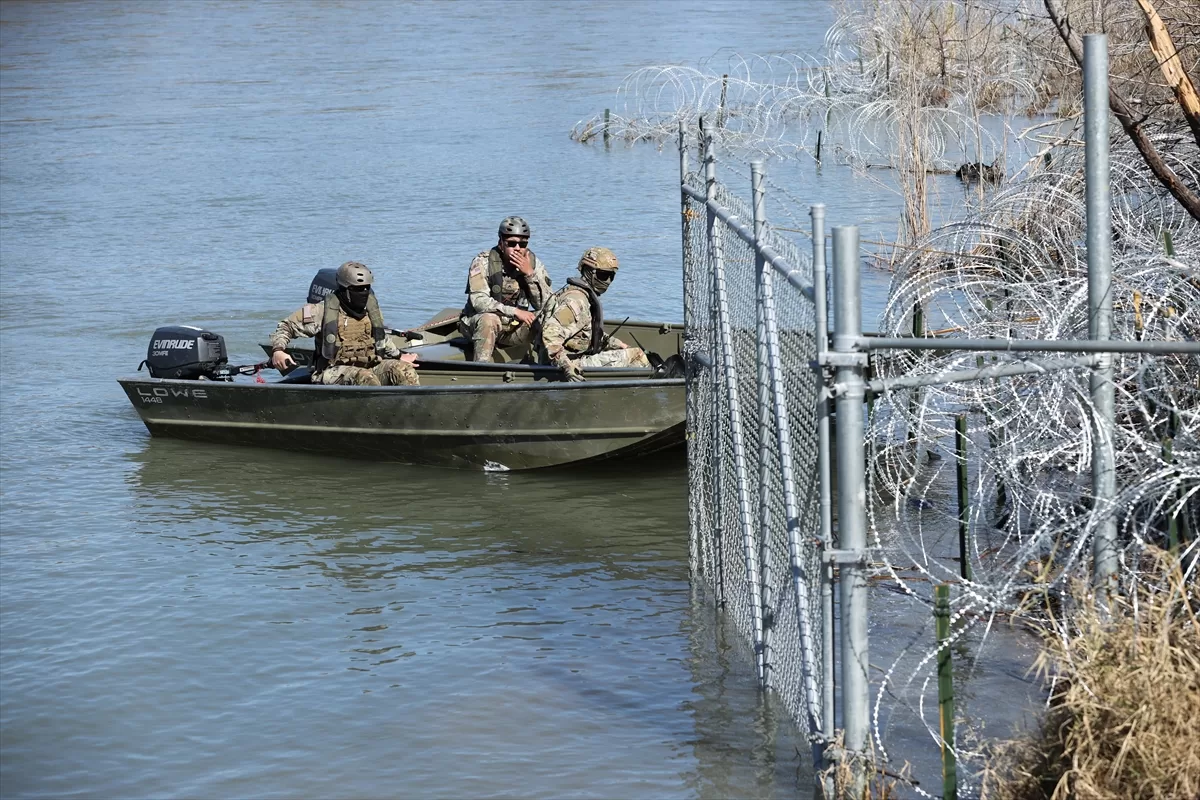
[353, 273]
[514, 226]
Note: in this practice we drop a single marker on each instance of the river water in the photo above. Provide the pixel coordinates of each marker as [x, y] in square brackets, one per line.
[189, 620]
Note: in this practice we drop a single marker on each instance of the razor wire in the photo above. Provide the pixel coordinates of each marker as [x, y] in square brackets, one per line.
[1013, 268]
[1016, 269]
[759, 557]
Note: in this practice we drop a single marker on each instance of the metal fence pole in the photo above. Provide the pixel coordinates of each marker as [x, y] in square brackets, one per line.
[1100, 314]
[824, 475]
[688, 332]
[800, 574]
[734, 410]
[850, 366]
[762, 270]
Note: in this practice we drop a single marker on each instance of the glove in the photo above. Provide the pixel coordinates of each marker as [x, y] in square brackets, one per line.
[572, 371]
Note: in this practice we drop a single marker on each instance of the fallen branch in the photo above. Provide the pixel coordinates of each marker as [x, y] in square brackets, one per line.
[1168, 61]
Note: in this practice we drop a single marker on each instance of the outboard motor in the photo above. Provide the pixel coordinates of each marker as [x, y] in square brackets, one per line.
[322, 284]
[183, 351]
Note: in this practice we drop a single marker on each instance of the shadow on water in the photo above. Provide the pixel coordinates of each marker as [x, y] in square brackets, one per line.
[574, 580]
[608, 514]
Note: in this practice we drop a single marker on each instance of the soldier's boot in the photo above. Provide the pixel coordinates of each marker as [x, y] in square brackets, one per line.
[627, 357]
[637, 357]
[394, 372]
[485, 331]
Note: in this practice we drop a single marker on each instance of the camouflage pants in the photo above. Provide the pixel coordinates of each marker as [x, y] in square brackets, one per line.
[389, 372]
[487, 330]
[628, 357]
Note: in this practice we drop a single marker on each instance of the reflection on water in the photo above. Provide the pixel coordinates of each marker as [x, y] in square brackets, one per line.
[190, 620]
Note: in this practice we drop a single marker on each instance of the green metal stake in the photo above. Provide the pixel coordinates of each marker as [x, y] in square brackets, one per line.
[918, 332]
[606, 134]
[941, 615]
[721, 107]
[1168, 455]
[1168, 244]
[819, 134]
[964, 508]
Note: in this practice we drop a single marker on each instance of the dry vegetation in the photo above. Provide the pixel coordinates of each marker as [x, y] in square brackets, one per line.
[1125, 703]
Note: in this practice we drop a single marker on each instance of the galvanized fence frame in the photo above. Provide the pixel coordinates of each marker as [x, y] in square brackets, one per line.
[719, 392]
[716, 406]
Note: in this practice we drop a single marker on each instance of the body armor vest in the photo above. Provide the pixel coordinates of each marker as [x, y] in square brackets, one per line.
[518, 284]
[596, 342]
[355, 343]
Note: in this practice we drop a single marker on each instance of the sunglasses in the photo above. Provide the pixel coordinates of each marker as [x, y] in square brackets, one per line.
[516, 243]
[604, 275]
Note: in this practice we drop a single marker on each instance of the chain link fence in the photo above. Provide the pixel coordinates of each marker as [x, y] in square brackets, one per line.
[755, 532]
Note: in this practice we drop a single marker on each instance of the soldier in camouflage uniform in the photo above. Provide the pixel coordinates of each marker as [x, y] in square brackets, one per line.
[572, 322]
[505, 286]
[352, 345]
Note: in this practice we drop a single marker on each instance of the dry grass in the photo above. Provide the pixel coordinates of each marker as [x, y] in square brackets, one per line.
[880, 783]
[1125, 708]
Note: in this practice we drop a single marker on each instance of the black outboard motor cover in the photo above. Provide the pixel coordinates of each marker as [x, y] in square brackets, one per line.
[322, 284]
[183, 351]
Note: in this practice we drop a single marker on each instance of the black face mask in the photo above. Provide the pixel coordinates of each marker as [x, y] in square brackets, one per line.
[354, 298]
[599, 284]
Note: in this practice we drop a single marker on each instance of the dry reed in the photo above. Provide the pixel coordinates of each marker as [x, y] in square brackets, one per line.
[1123, 711]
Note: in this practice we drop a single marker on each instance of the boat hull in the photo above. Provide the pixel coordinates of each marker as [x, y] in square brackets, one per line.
[505, 425]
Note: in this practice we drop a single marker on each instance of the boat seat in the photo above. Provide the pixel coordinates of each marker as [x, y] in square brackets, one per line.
[298, 375]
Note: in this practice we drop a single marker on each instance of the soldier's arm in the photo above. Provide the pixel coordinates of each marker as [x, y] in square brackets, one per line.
[387, 348]
[305, 321]
[479, 293]
[560, 324]
[613, 343]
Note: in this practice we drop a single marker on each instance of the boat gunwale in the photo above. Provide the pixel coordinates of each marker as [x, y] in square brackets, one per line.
[619, 383]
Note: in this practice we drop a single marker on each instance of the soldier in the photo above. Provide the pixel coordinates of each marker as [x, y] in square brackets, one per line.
[353, 348]
[505, 285]
[572, 322]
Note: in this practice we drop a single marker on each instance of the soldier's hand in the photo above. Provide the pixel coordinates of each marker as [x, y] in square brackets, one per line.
[524, 317]
[280, 360]
[411, 358]
[573, 372]
[520, 260]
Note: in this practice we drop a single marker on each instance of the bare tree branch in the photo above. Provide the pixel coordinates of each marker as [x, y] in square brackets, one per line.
[1125, 115]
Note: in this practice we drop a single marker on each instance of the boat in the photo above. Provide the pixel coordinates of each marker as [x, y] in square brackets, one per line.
[497, 416]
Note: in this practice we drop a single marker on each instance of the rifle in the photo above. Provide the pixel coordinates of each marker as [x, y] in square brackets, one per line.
[609, 336]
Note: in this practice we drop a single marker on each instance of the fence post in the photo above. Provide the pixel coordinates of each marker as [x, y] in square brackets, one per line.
[964, 507]
[824, 467]
[758, 206]
[734, 410]
[945, 673]
[1099, 259]
[852, 496]
[688, 332]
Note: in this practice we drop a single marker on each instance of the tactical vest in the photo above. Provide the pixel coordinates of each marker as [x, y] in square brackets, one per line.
[495, 279]
[360, 348]
[596, 343]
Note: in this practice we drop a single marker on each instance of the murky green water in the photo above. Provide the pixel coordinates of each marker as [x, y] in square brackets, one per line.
[189, 620]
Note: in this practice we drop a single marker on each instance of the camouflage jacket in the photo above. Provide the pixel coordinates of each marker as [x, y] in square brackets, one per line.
[306, 322]
[566, 323]
[479, 292]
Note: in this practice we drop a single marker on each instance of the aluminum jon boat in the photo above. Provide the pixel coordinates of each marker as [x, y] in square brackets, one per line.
[464, 414]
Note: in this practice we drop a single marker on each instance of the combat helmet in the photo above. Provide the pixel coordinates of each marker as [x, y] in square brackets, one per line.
[514, 226]
[596, 260]
[352, 273]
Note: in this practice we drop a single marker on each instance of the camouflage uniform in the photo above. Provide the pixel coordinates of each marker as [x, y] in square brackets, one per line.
[566, 323]
[487, 320]
[360, 361]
